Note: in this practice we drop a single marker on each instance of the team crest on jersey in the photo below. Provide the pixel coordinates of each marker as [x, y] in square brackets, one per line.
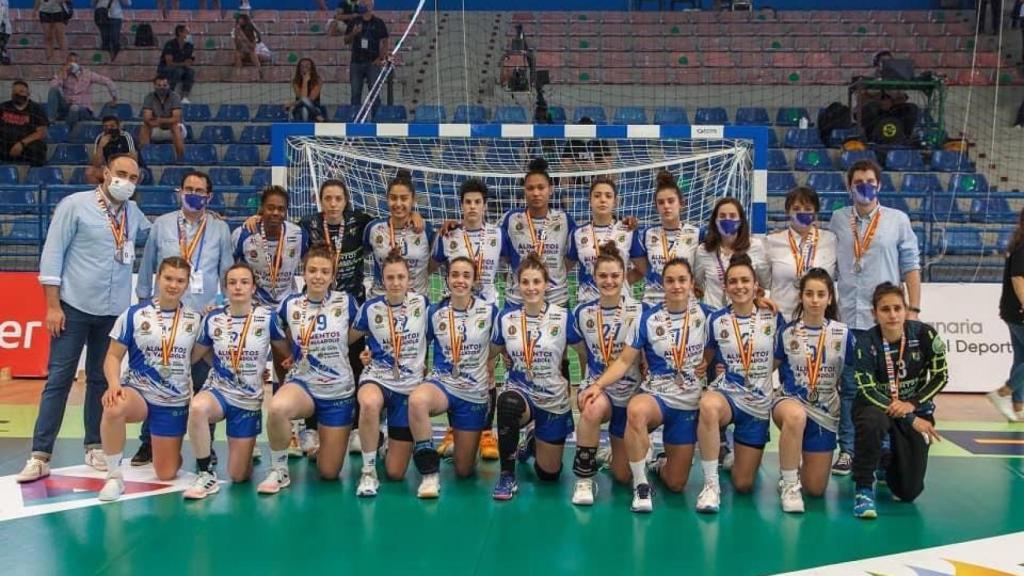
[296, 316]
[480, 325]
[724, 334]
[838, 346]
[511, 330]
[379, 240]
[378, 319]
[554, 331]
[144, 327]
[938, 346]
[291, 252]
[659, 332]
[217, 332]
[915, 356]
[453, 245]
[416, 313]
[494, 242]
[590, 324]
[689, 241]
[519, 226]
[337, 312]
[442, 326]
[253, 254]
[767, 330]
[258, 333]
[794, 345]
[697, 323]
[188, 328]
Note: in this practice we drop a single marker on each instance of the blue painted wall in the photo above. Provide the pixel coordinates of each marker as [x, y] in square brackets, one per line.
[530, 5]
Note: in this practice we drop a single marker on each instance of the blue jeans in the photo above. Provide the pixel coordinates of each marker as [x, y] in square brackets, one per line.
[80, 330]
[847, 394]
[110, 36]
[358, 74]
[183, 75]
[1016, 380]
[58, 108]
[200, 370]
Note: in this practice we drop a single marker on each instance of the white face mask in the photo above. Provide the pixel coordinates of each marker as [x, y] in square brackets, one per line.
[120, 189]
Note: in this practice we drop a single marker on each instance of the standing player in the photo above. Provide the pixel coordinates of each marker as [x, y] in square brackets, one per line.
[658, 244]
[814, 350]
[158, 337]
[728, 234]
[460, 330]
[533, 338]
[396, 327]
[384, 235]
[603, 227]
[741, 338]
[605, 325]
[274, 250]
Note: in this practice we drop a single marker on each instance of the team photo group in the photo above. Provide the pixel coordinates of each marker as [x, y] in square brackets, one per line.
[700, 329]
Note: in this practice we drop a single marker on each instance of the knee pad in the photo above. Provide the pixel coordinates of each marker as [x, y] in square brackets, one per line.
[511, 407]
[546, 476]
[427, 461]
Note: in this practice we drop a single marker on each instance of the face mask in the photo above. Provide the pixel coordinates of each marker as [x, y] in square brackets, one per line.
[728, 227]
[195, 202]
[361, 9]
[19, 100]
[75, 69]
[120, 189]
[163, 92]
[802, 219]
[188, 39]
[113, 132]
[864, 193]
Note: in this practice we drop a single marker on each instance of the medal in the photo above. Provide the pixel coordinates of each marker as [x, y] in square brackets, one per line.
[678, 348]
[802, 264]
[607, 345]
[393, 239]
[857, 267]
[861, 246]
[334, 244]
[165, 372]
[746, 349]
[166, 342]
[396, 339]
[455, 337]
[306, 332]
[273, 264]
[475, 254]
[189, 248]
[235, 354]
[813, 363]
[890, 368]
[118, 229]
[529, 344]
[537, 241]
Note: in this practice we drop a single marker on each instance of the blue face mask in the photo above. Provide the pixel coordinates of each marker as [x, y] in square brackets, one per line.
[728, 227]
[802, 219]
[361, 9]
[864, 193]
[195, 202]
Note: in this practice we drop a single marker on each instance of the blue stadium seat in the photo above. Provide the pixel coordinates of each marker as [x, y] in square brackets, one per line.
[777, 160]
[827, 182]
[968, 183]
[84, 133]
[226, 176]
[157, 200]
[756, 116]
[671, 115]
[217, 134]
[802, 138]
[848, 157]
[933, 138]
[173, 176]
[773, 139]
[8, 174]
[21, 231]
[510, 115]
[630, 115]
[346, 113]
[886, 185]
[781, 182]
[122, 110]
[470, 114]
[992, 210]
[19, 199]
[1003, 241]
[69, 154]
[944, 161]
[928, 182]
[255, 135]
[200, 154]
[896, 201]
[791, 116]
[242, 155]
[271, 113]
[57, 133]
[77, 175]
[811, 160]
[145, 176]
[158, 154]
[839, 135]
[44, 175]
[57, 192]
[232, 113]
[390, 114]
[904, 160]
[195, 113]
[430, 114]
[944, 208]
[959, 241]
[557, 114]
[711, 116]
[260, 178]
[595, 113]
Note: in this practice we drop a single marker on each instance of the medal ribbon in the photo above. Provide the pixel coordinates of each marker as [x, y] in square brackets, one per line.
[189, 248]
[274, 264]
[537, 241]
[396, 335]
[813, 366]
[454, 335]
[798, 253]
[529, 344]
[306, 330]
[607, 345]
[167, 344]
[747, 349]
[860, 247]
[477, 254]
[334, 244]
[890, 368]
[118, 229]
[236, 353]
[678, 348]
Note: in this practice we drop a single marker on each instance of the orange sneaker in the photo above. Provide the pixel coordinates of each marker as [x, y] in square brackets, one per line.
[447, 446]
[488, 446]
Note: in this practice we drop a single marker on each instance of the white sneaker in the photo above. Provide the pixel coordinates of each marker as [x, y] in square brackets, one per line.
[294, 446]
[257, 453]
[728, 457]
[1002, 403]
[642, 498]
[186, 101]
[792, 498]
[204, 485]
[604, 457]
[34, 469]
[655, 466]
[368, 483]
[355, 445]
[96, 459]
[309, 440]
[583, 493]
[709, 500]
[274, 482]
[113, 489]
[430, 486]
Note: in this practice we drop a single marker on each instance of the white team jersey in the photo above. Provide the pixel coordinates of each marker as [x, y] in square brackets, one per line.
[483, 246]
[222, 332]
[379, 239]
[143, 329]
[549, 238]
[749, 386]
[318, 333]
[583, 249]
[658, 245]
[671, 364]
[610, 331]
[408, 334]
[472, 334]
[817, 249]
[273, 282]
[795, 352]
[547, 335]
[709, 271]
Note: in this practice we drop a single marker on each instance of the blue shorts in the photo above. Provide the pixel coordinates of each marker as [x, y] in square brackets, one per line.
[336, 412]
[818, 439]
[548, 426]
[396, 405]
[617, 425]
[680, 426]
[242, 423]
[463, 414]
[170, 421]
[748, 430]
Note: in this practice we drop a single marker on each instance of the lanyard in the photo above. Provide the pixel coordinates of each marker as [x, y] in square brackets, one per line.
[274, 264]
[537, 241]
[476, 254]
[813, 363]
[861, 246]
[667, 252]
[396, 334]
[167, 343]
[306, 330]
[335, 244]
[678, 348]
[803, 265]
[236, 353]
[189, 248]
[529, 344]
[454, 334]
[746, 349]
[890, 368]
[607, 345]
[117, 229]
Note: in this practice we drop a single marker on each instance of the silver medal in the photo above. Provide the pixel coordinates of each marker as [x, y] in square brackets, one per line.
[455, 371]
[812, 396]
[529, 374]
[680, 381]
[396, 371]
[165, 372]
[857, 267]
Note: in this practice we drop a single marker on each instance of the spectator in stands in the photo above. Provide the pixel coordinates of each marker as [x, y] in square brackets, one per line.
[877, 106]
[70, 96]
[249, 46]
[6, 30]
[1009, 398]
[54, 16]
[162, 5]
[343, 14]
[22, 128]
[111, 142]
[176, 62]
[86, 273]
[110, 31]
[994, 7]
[874, 244]
[306, 86]
[368, 36]
[161, 117]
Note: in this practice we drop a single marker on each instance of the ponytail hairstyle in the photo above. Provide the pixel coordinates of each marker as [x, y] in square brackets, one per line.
[678, 261]
[885, 289]
[666, 181]
[402, 178]
[738, 260]
[609, 252]
[538, 166]
[320, 251]
[532, 262]
[606, 180]
[240, 266]
[819, 274]
[394, 257]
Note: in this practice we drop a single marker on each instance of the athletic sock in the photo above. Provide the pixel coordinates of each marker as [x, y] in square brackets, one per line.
[203, 464]
[370, 460]
[114, 463]
[790, 477]
[279, 459]
[639, 470]
[710, 468]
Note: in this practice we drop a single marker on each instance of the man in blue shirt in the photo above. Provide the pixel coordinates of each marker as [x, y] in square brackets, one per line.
[86, 273]
[875, 244]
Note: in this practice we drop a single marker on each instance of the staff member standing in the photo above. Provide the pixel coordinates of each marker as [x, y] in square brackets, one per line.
[86, 273]
[368, 36]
